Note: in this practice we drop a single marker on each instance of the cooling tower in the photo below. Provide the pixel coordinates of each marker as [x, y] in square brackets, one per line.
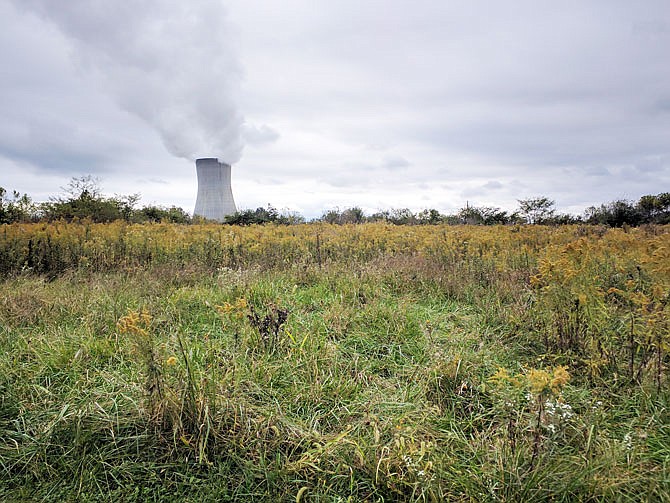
[215, 197]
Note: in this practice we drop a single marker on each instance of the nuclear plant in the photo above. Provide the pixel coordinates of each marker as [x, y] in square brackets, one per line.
[215, 196]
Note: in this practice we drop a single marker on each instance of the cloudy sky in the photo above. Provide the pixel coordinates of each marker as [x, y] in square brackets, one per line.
[321, 104]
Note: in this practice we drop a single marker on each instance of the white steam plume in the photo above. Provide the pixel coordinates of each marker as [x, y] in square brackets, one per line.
[170, 62]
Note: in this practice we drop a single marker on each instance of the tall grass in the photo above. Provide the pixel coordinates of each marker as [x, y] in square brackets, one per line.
[397, 364]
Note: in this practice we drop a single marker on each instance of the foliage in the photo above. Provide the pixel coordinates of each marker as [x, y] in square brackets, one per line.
[158, 214]
[486, 215]
[537, 210]
[430, 217]
[17, 208]
[649, 209]
[262, 216]
[83, 200]
[655, 209]
[354, 215]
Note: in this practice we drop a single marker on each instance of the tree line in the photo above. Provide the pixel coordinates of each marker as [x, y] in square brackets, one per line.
[82, 200]
[650, 209]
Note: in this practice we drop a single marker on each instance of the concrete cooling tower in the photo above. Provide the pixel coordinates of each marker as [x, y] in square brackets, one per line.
[215, 197]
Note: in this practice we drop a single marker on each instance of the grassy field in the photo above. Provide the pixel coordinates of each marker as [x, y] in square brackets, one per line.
[334, 363]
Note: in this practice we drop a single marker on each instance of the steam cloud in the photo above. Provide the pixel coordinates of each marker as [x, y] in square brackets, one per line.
[168, 62]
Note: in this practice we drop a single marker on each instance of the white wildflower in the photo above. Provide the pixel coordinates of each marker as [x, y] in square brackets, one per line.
[628, 441]
[549, 408]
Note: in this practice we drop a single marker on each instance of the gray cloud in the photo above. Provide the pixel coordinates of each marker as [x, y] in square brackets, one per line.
[153, 180]
[381, 104]
[394, 162]
[653, 164]
[493, 185]
[482, 190]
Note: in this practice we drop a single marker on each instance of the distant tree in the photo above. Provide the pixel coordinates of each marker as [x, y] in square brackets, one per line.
[595, 215]
[331, 216]
[495, 216]
[288, 217]
[82, 187]
[380, 216]
[648, 207]
[402, 216]
[126, 205]
[177, 215]
[429, 217]
[172, 214]
[470, 215]
[17, 208]
[353, 215]
[655, 209]
[615, 214]
[83, 199]
[486, 215]
[537, 210]
[452, 219]
[242, 217]
[258, 216]
[563, 219]
[266, 215]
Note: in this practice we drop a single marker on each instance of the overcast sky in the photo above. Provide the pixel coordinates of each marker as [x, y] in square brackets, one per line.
[321, 104]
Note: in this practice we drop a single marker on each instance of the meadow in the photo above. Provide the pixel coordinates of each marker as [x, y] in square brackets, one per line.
[317, 362]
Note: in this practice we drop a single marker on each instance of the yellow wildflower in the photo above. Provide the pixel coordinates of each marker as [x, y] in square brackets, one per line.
[501, 376]
[225, 308]
[134, 322]
[538, 380]
[559, 379]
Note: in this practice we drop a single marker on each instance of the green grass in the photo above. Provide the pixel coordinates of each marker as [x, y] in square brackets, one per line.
[376, 388]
